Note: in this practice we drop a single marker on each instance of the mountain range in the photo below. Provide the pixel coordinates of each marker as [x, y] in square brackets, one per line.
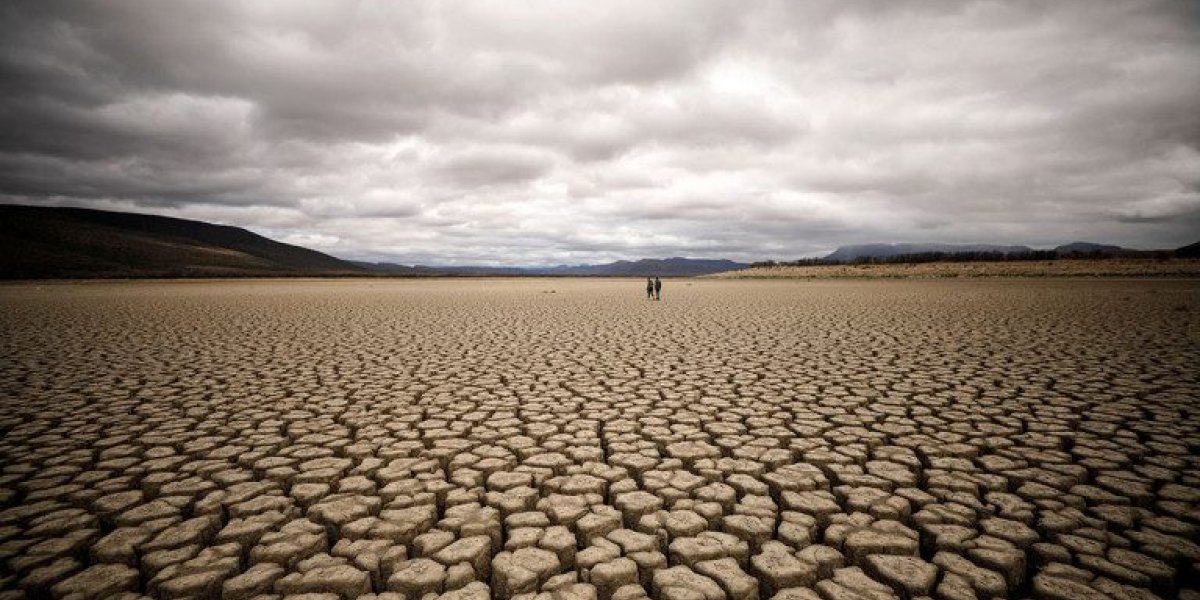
[50, 242]
[674, 267]
[878, 251]
[646, 267]
[38, 242]
[855, 252]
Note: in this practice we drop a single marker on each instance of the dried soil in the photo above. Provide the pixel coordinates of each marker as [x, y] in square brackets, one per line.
[567, 438]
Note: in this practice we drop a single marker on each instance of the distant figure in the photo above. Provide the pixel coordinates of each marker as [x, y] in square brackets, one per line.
[657, 288]
[649, 289]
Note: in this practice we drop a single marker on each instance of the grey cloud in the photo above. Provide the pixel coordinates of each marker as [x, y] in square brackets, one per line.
[490, 166]
[600, 43]
[571, 131]
[601, 125]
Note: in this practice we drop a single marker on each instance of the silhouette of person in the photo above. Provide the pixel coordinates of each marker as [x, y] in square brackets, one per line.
[649, 289]
[657, 288]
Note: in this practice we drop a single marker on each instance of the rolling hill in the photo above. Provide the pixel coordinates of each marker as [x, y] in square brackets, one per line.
[1189, 251]
[48, 242]
[1087, 248]
[855, 252]
[646, 267]
[931, 252]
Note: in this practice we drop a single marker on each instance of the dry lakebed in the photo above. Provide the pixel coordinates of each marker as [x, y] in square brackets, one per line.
[567, 439]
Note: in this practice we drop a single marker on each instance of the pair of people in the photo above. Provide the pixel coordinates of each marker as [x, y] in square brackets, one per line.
[653, 288]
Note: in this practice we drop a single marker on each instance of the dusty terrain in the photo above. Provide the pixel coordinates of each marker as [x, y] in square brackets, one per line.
[1110, 267]
[568, 438]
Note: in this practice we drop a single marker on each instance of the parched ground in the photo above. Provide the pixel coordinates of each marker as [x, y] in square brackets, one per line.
[1108, 267]
[476, 439]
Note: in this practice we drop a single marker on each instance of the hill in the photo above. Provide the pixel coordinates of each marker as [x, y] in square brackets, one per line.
[855, 252]
[48, 242]
[646, 267]
[1087, 248]
[1189, 251]
[397, 270]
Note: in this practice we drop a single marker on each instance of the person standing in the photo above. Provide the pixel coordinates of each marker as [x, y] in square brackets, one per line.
[649, 289]
[657, 288]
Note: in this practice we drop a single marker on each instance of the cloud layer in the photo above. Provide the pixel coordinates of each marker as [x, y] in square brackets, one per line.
[557, 131]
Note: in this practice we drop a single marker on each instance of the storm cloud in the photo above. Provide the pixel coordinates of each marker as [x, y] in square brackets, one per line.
[558, 131]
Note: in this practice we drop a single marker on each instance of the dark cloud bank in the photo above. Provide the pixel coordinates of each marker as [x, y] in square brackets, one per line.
[552, 131]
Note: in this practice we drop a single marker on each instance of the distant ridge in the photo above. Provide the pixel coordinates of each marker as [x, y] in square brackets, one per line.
[50, 242]
[1189, 251]
[855, 252]
[646, 267]
[1087, 248]
[931, 252]
[39, 242]
[395, 269]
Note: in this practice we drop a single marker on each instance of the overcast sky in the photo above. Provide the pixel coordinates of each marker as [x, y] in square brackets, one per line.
[546, 132]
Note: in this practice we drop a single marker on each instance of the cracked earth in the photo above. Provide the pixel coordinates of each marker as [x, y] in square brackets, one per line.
[568, 439]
